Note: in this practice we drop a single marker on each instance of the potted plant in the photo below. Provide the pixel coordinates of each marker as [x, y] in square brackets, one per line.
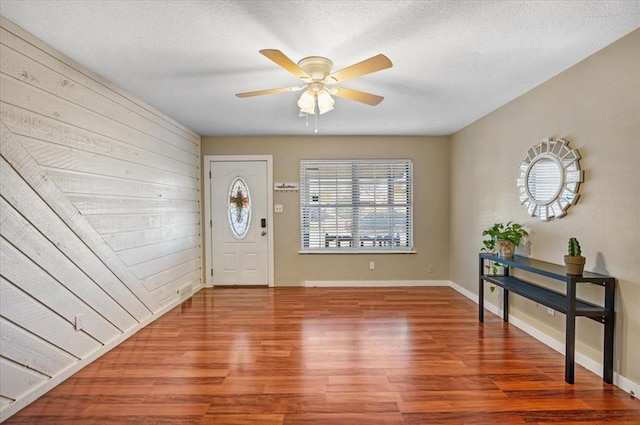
[574, 262]
[503, 237]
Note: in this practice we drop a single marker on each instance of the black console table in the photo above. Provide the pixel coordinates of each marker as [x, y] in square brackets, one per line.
[565, 303]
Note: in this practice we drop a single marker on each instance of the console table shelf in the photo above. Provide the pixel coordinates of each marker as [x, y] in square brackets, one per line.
[565, 303]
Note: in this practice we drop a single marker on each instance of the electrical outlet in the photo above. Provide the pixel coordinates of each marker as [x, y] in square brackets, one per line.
[372, 265]
[430, 268]
[551, 311]
[278, 208]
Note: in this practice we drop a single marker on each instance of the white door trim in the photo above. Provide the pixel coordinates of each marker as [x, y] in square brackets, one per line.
[208, 267]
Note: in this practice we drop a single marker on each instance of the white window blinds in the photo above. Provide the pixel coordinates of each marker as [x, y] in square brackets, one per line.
[356, 205]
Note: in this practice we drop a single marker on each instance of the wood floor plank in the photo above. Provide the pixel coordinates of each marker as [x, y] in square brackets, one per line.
[141, 409]
[344, 418]
[347, 356]
[241, 419]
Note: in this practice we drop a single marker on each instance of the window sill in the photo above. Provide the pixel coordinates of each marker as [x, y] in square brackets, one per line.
[359, 251]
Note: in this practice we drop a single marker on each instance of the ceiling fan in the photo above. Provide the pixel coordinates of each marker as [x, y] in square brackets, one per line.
[314, 71]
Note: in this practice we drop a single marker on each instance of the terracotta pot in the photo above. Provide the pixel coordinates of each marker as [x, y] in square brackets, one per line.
[505, 249]
[574, 265]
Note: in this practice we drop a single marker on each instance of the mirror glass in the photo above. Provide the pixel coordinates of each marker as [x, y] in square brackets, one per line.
[549, 178]
[544, 180]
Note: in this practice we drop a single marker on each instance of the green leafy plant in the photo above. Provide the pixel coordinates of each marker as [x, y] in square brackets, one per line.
[512, 232]
[574, 248]
[499, 232]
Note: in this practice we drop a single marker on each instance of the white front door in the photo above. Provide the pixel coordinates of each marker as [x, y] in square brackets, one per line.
[239, 215]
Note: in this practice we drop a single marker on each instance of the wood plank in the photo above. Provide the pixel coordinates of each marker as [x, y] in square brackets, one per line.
[96, 205]
[117, 223]
[30, 351]
[159, 265]
[157, 280]
[45, 254]
[61, 157]
[24, 68]
[314, 418]
[23, 95]
[32, 125]
[85, 183]
[244, 419]
[4, 402]
[132, 257]
[37, 283]
[169, 292]
[243, 352]
[17, 380]
[29, 314]
[134, 239]
[23, 199]
[165, 410]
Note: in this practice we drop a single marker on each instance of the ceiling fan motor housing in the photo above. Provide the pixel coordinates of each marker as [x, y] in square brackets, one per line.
[317, 67]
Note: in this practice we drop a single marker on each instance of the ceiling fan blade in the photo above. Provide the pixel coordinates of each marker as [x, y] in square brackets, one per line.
[282, 60]
[367, 66]
[269, 91]
[358, 96]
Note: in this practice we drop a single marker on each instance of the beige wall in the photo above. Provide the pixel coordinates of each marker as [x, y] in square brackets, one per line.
[596, 106]
[430, 157]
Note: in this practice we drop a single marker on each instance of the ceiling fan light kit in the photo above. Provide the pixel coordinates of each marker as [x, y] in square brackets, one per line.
[325, 101]
[314, 71]
[307, 103]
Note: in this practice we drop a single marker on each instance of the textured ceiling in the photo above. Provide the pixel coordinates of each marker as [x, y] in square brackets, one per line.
[453, 61]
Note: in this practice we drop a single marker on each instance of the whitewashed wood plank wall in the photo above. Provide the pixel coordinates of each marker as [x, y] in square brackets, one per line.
[99, 216]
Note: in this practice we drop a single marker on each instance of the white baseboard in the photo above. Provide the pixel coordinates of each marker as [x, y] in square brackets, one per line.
[473, 297]
[56, 380]
[588, 363]
[372, 283]
[626, 385]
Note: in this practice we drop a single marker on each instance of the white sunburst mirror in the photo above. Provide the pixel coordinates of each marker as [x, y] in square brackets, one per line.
[549, 178]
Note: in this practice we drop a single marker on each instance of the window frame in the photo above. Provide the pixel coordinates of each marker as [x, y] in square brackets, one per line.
[399, 197]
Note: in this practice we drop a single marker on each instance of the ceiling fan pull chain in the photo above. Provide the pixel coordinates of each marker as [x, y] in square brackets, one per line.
[316, 130]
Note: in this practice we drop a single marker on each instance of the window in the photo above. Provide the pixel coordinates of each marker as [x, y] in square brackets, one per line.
[356, 205]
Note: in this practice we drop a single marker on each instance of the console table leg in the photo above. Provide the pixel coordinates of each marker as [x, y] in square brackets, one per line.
[607, 375]
[609, 325]
[570, 350]
[570, 333]
[505, 305]
[480, 291]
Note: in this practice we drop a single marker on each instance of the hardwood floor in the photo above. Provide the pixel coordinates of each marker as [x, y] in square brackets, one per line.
[330, 356]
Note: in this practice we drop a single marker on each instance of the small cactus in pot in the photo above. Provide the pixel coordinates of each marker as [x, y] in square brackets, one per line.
[574, 261]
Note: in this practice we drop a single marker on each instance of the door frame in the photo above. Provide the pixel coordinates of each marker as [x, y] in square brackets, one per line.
[207, 222]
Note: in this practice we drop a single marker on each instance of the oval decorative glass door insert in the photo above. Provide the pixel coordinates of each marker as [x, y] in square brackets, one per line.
[239, 208]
